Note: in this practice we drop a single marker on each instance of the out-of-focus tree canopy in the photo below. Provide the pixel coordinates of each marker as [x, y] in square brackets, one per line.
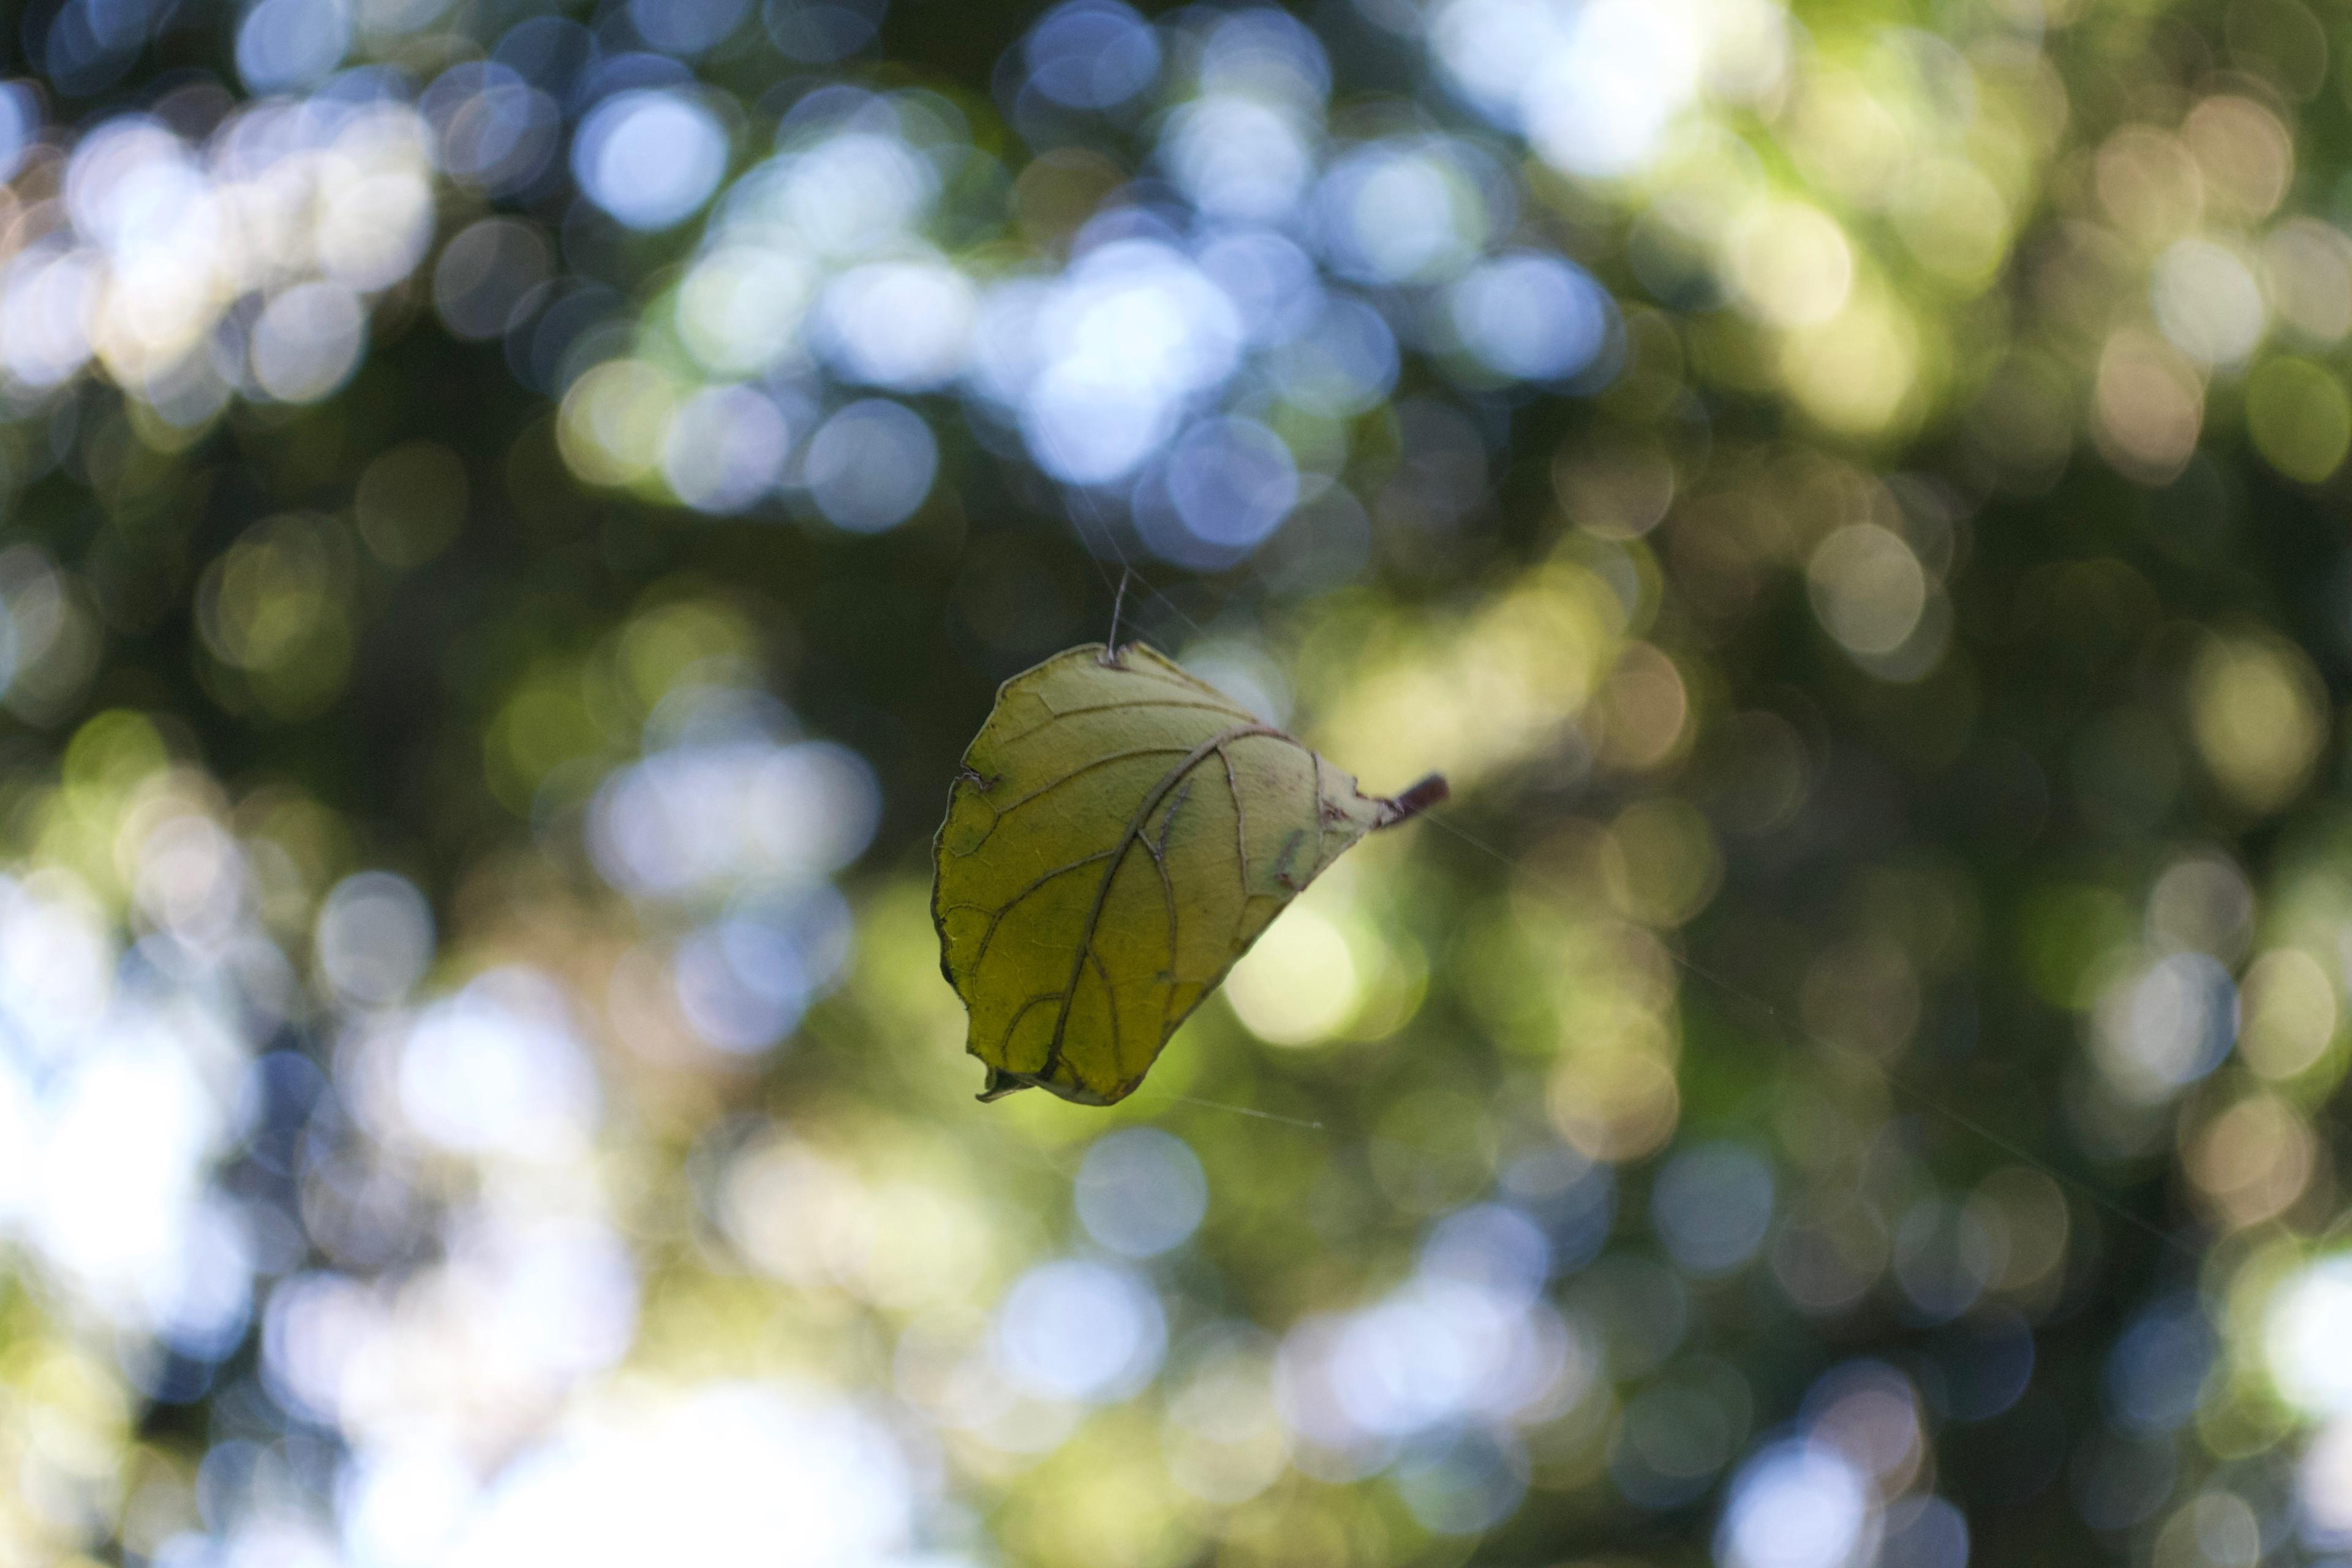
[510, 514]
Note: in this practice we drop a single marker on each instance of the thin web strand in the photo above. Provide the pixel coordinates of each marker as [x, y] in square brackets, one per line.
[1248, 1111]
[1127, 570]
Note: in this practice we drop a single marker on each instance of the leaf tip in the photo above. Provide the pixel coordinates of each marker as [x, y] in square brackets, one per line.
[1000, 1084]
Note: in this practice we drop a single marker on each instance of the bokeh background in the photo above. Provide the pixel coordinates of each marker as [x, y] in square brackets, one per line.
[510, 513]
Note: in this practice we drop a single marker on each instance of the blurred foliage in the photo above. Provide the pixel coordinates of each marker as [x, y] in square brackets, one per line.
[510, 513]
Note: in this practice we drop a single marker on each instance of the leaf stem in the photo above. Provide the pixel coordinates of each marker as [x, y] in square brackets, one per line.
[1429, 791]
[1119, 602]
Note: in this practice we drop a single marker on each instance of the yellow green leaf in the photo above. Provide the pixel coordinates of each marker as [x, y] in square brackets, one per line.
[1120, 835]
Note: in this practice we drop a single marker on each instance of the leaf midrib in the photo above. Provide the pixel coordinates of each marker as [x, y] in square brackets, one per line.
[1127, 841]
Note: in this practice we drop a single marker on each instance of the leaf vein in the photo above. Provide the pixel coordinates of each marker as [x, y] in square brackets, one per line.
[1042, 790]
[1125, 704]
[1128, 840]
[997, 919]
[1110, 1007]
[1168, 894]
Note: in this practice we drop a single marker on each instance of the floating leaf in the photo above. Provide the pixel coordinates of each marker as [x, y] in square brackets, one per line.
[1118, 836]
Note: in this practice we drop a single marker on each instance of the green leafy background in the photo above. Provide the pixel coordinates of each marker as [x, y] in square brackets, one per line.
[496, 572]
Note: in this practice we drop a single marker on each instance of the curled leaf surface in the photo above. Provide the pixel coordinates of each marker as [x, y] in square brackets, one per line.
[1119, 835]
